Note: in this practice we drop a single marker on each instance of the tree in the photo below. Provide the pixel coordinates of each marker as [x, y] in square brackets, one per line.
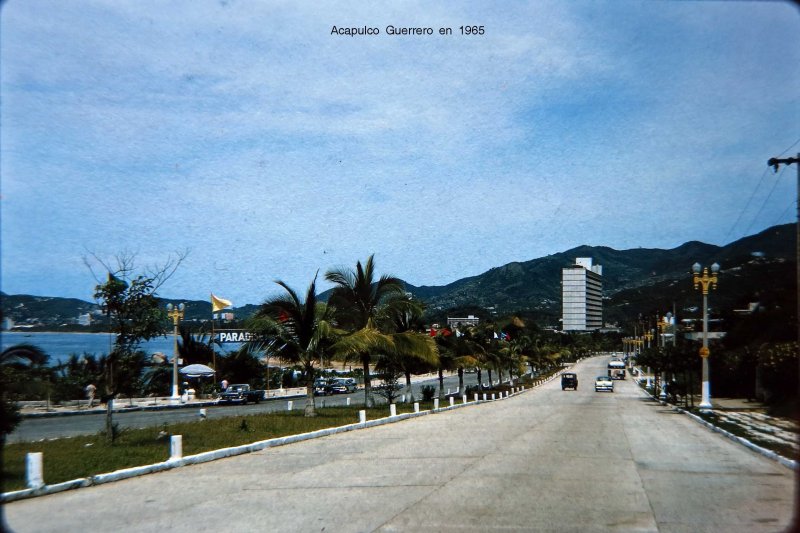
[360, 302]
[414, 352]
[15, 362]
[132, 309]
[302, 330]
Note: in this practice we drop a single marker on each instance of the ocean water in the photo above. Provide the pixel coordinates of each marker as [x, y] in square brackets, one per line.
[59, 346]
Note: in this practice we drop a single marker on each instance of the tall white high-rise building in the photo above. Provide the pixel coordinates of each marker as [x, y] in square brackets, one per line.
[582, 296]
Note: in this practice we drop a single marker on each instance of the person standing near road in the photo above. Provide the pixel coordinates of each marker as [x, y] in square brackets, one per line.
[224, 384]
[90, 390]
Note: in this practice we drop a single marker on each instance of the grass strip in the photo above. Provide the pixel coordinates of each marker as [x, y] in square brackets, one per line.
[78, 457]
[741, 431]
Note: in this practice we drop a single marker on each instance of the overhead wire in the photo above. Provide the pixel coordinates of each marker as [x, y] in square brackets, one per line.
[753, 194]
[785, 211]
[774, 186]
[792, 146]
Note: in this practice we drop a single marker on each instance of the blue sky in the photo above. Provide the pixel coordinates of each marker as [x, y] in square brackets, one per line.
[248, 134]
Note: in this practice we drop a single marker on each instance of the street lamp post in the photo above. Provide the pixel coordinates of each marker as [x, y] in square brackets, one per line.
[176, 314]
[705, 281]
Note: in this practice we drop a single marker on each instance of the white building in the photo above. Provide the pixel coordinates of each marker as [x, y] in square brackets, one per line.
[470, 320]
[582, 296]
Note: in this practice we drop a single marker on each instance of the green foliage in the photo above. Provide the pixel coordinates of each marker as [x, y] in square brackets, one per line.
[21, 366]
[243, 366]
[428, 393]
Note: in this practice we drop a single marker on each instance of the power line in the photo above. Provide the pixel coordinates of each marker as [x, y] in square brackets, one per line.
[752, 195]
[774, 186]
[777, 220]
[792, 146]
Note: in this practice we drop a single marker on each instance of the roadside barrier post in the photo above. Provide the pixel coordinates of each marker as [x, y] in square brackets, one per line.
[435, 403]
[403, 400]
[289, 405]
[33, 470]
[448, 392]
[476, 396]
[464, 398]
[484, 396]
[452, 401]
[392, 410]
[348, 401]
[416, 407]
[492, 396]
[175, 447]
[362, 417]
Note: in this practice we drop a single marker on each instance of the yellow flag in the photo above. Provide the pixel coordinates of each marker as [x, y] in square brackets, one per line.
[218, 304]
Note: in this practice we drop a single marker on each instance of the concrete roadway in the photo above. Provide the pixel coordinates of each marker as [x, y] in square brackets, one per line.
[33, 429]
[546, 460]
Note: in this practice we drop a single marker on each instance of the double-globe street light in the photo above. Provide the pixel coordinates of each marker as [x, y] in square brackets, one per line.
[705, 281]
[176, 314]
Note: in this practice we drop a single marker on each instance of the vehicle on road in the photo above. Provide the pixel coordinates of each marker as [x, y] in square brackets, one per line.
[604, 383]
[322, 387]
[342, 386]
[616, 369]
[241, 393]
[569, 381]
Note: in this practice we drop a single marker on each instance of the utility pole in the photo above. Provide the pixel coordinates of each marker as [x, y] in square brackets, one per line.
[775, 163]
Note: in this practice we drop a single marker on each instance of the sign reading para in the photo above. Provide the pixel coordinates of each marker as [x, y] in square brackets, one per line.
[224, 336]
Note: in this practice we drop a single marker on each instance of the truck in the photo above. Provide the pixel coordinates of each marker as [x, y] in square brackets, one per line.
[241, 393]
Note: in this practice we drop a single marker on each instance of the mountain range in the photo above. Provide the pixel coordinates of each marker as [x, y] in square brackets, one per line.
[637, 281]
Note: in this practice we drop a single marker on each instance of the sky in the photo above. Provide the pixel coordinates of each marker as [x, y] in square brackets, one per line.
[272, 148]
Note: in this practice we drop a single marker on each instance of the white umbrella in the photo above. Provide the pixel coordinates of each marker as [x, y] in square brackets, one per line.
[197, 371]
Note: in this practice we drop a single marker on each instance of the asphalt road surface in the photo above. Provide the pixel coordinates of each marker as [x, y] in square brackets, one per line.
[546, 460]
[34, 429]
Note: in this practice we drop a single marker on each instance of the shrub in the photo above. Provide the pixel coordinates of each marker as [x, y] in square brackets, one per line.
[428, 392]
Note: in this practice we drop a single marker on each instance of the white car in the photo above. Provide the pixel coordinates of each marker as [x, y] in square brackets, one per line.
[604, 383]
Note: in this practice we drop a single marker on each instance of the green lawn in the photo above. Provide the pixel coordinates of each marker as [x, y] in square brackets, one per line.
[78, 457]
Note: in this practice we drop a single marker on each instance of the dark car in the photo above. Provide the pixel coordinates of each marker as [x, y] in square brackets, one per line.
[569, 381]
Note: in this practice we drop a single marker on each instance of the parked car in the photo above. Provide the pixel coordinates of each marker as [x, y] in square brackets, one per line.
[322, 387]
[342, 386]
[569, 381]
[241, 393]
[604, 383]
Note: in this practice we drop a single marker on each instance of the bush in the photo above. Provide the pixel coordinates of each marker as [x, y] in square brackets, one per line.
[428, 392]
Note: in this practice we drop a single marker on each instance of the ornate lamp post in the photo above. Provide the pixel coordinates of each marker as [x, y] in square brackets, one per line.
[176, 314]
[705, 281]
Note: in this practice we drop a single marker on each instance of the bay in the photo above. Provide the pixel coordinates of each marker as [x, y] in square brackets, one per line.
[59, 346]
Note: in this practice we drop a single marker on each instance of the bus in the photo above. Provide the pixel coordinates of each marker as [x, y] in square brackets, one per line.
[616, 369]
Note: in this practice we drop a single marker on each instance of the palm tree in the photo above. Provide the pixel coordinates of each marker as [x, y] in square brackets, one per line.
[15, 361]
[302, 330]
[360, 302]
[414, 351]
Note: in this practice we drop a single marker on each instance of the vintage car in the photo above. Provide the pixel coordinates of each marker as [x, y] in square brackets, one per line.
[241, 393]
[604, 383]
[569, 381]
[342, 385]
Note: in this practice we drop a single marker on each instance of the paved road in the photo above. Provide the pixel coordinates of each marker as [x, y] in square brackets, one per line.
[33, 429]
[546, 460]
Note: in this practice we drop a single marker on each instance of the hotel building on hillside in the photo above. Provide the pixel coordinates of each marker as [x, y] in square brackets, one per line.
[582, 296]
